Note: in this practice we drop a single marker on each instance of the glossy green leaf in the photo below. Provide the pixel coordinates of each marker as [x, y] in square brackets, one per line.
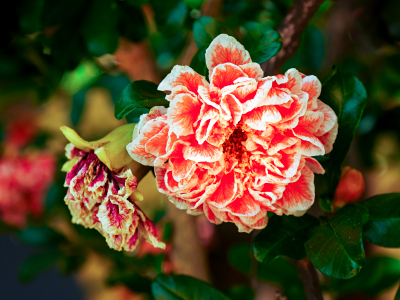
[194, 4]
[205, 29]
[335, 248]
[261, 41]
[140, 94]
[378, 274]
[181, 287]
[36, 264]
[198, 62]
[383, 226]
[346, 95]
[284, 236]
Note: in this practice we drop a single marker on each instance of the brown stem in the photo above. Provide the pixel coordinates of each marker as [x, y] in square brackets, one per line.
[291, 29]
[309, 277]
[188, 255]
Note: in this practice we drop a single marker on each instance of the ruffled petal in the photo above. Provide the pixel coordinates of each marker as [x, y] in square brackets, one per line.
[182, 76]
[225, 49]
[298, 196]
[202, 153]
[312, 86]
[183, 112]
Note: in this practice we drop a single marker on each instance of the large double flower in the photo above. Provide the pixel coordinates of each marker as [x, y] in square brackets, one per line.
[239, 146]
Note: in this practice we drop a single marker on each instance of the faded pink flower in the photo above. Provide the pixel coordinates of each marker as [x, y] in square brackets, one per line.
[24, 181]
[102, 197]
[239, 146]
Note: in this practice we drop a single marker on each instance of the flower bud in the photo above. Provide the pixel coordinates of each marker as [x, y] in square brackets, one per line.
[350, 188]
[111, 149]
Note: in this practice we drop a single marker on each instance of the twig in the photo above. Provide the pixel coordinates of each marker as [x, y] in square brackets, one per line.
[291, 29]
[309, 277]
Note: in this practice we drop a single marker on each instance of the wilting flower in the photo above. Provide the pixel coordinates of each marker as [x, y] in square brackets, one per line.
[102, 191]
[24, 181]
[350, 188]
[240, 145]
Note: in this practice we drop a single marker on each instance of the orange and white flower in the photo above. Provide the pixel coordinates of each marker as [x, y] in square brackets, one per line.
[102, 192]
[239, 146]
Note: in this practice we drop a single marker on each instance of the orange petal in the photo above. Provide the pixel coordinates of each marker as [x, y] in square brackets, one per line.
[182, 76]
[183, 113]
[298, 196]
[226, 49]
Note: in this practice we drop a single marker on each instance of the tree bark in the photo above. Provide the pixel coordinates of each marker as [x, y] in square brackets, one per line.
[291, 29]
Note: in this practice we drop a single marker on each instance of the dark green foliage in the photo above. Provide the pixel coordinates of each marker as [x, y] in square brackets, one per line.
[198, 62]
[138, 95]
[383, 226]
[240, 293]
[261, 42]
[40, 236]
[133, 281]
[36, 264]
[181, 287]
[284, 236]
[346, 95]
[205, 29]
[378, 274]
[335, 248]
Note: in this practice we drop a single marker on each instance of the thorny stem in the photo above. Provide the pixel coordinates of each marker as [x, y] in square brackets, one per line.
[291, 29]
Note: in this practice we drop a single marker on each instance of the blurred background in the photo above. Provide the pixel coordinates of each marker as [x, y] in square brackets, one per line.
[65, 62]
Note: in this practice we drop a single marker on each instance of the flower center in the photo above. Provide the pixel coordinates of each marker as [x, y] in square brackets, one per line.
[233, 147]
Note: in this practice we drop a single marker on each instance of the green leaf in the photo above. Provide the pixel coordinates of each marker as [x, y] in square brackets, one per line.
[346, 95]
[397, 297]
[261, 42]
[284, 236]
[100, 28]
[194, 4]
[36, 264]
[205, 29]
[198, 62]
[378, 274]
[181, 287]
[139, 94]
[383, 226]
[335, 248]
[40, 236]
